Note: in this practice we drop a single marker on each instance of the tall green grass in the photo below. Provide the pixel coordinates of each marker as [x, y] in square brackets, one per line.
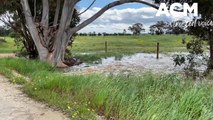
[149, 97]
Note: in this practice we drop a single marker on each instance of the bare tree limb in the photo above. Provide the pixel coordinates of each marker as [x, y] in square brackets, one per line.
[35, 2]
[57, 10]
[87, 7]
[33, 29]
[68, 7]
[104, 9]
[45, 22]
[45, 13]
[61, 36]
[71, 11]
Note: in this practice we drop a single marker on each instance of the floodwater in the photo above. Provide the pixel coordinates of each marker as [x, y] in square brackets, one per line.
[135, 64]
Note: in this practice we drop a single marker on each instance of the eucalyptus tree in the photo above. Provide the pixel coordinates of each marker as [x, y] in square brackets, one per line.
[159, 28]
[136, 28]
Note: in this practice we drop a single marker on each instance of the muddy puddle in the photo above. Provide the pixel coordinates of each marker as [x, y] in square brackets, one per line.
[135, 64]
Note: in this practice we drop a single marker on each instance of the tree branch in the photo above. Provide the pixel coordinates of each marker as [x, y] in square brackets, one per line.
[45, 22]
[57, 10]
[69, 18]
[68, 7]
[104, 9]
[33, 29]
[35, 3]
[45, 13]
[87, 7]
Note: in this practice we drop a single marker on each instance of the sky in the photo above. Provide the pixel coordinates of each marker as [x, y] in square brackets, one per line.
[119, 18]
[1, 23]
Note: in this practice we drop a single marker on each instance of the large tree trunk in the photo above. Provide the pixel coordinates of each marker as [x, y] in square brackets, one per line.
[42, 51]
[51, 42]
[56, 57]
[62, 37]
[211, 51]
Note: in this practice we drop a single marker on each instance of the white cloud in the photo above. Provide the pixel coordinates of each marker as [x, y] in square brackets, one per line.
[115, 20]
[1, 23]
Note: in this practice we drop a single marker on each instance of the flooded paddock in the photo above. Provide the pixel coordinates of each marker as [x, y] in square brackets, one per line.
[135, 64]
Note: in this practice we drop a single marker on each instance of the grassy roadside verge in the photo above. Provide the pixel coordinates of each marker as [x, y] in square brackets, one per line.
[148, 97]
[40, 73]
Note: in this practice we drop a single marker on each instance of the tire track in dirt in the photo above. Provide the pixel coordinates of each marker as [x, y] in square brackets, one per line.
[14, 105]
[6, 55]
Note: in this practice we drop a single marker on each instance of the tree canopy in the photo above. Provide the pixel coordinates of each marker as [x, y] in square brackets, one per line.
[136, 28]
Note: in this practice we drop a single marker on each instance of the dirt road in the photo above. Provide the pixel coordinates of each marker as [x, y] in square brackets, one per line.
[6, 55]
[14, 105]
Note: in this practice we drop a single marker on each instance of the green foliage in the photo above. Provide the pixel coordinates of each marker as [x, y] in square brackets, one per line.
[13, 35]
[195, 46]
[194, 59]
[204, 32]
[158, 28]
[136, 28]
[166, 97]
[4, 31]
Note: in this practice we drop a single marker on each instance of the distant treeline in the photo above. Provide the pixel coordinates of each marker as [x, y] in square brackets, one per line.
[159, 28]
[122, 34]
[103, 34]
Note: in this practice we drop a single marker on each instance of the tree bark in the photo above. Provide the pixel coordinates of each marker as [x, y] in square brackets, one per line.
[35, 3]
[42, 51]
[62, 37]
[45, 23]
[211, 51]
[57, 11]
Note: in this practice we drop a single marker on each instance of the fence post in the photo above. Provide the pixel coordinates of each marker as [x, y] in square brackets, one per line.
[158, 45]
[106, 46]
